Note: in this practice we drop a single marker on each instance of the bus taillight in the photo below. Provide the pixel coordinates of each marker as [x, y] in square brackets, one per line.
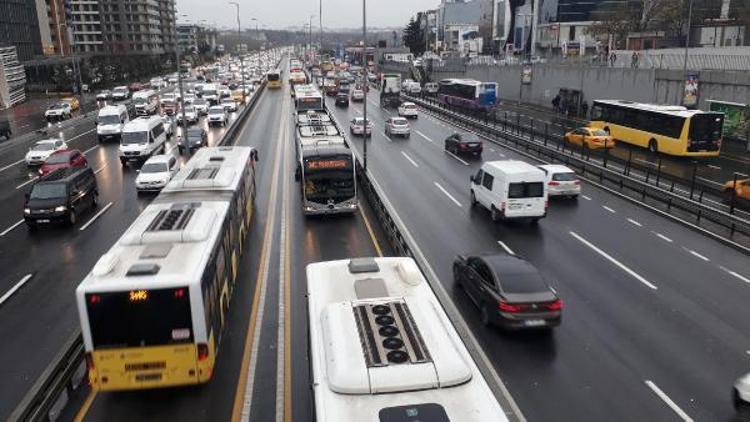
[90, 362]
[202, 351]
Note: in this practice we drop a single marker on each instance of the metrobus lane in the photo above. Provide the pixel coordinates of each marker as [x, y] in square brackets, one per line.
[607, 309]
[213, 400]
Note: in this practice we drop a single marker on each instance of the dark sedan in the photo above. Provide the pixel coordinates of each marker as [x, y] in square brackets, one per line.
[509, 291]
[197, 137]
[342, 99]
[464, 144]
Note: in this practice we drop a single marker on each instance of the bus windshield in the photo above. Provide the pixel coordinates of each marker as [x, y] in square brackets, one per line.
[329, 179]
[139, 318]
[273, 77]
[134, 138]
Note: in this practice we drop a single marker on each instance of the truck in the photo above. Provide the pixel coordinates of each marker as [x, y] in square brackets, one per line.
[390, 90]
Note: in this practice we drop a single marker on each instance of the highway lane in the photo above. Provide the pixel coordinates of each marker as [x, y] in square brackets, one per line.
[303, 240]
[687, 336]
[41, 315]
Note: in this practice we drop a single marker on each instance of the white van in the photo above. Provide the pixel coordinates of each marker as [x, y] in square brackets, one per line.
[110, 120]
[142, 138]
[510, 190]
[146, 102]
[210, 93]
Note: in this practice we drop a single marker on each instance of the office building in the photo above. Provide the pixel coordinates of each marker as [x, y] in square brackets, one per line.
[19, 27]
[12, 78]
[58, 28]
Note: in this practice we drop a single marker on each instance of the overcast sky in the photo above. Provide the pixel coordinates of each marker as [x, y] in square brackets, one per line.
[285, 13]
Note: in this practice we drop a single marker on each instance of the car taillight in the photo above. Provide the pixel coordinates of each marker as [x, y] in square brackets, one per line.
[90, 361]
[507, 307]
[557, 305]
[202, 351]
[554, 183]
[546, 204]
[462, 146]
[576, 182]
[502, 206]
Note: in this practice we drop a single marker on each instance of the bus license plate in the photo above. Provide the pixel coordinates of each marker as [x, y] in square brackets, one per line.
[534, 323]
[148, 377]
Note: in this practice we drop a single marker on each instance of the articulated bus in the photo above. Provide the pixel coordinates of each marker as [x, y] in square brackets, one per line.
[327, 173]
[153, 308]
[468, 93]
[274, 79]
[383, 349]
[673, 130]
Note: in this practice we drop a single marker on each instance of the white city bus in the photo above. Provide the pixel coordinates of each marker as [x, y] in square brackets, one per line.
[153, 307]
[382, 348]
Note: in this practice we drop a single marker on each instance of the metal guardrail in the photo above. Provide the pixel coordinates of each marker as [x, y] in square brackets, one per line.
[48, 396]
[689, 210]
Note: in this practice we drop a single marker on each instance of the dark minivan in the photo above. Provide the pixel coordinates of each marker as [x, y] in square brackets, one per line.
[60, 196]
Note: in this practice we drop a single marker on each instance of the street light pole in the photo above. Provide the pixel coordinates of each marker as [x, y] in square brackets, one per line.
[364, 62]
[687, 44]
[185, 146]
[320, 15]
[239, 51]
[257, 55]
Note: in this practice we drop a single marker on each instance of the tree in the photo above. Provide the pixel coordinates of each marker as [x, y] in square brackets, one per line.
[413, 36]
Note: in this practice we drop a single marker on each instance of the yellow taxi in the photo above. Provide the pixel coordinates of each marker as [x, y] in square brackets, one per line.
[73, 101]
[742, 189]
[590, 137]
[237, 95]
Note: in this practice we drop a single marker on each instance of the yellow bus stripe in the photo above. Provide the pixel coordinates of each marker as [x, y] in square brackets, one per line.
[81, 415]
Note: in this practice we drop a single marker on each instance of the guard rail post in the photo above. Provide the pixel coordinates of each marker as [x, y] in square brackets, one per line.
[692, 179]
[734, 193]
[658, 174]
[546, 133]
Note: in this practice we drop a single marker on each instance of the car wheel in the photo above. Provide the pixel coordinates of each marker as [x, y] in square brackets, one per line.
[585, 145]
[495, 214]
[95, 201]
[447, 147]
[484, 315]
[653, 146]
[72, 218]
[534, 221]
[473, 199]
[122, 162]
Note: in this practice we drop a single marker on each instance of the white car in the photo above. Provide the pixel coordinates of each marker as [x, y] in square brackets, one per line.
[156, 172]
[189, 98]
[156, 83]
[358, 94]
[741, 396]
[414, 88]
[217, 115]
[168, 97]
[201, 106]
[229, 104]
[42, 150]
[58, 111]
[397, 126]
[561, 181]
[408, 110]
[406, 83]
[357, 126]
[168, 125]
[190, 113]
[120, 93]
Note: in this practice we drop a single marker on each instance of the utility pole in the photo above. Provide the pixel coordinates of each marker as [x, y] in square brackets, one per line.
[185, 146]
[366, 82]
[687, 43]
[320, 15]
[239, 51]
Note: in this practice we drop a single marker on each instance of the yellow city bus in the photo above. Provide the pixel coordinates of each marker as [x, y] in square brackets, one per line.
[154, 307]
[274, 79]
[672, 130]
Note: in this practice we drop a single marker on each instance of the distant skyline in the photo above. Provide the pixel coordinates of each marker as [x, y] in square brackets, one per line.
[279, 14]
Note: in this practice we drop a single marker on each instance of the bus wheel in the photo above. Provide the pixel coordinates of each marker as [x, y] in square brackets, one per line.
[653, 146]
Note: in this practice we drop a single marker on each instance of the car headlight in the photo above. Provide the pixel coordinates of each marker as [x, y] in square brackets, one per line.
[26, 211]
[61, 208]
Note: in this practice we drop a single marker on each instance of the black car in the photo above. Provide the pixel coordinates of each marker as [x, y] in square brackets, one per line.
[5, 128]
[509, 291]
[197, 137]
[342, 99]
[464, 144]
[60, 196]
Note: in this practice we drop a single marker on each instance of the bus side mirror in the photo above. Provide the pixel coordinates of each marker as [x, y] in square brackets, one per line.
[297, 174]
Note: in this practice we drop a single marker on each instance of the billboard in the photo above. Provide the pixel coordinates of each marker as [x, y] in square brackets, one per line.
[690, 96]
[736, 118]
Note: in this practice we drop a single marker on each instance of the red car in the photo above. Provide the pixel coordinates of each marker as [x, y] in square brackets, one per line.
[68, 158]
[135, 86]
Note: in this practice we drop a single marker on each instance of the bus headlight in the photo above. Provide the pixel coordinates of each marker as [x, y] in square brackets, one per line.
[61, 208]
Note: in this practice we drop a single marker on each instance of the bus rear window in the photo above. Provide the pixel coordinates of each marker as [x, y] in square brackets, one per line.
[419, 412]
[706, 127]
[140, 318]
[526, 190]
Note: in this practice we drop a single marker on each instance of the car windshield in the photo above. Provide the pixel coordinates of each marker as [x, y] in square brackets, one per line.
[524, 281]
[58, 106]
[134, 138]
[194, 134]
[48, 191]
[120, 90]
[140, 100]
[189, 109]
[58, 159]
[399, 122]
[216, 111]
[564, 177]
[200, 101]
[109, 119]
[154, 168]
[599, 132]
[46, 146]
[469, 139]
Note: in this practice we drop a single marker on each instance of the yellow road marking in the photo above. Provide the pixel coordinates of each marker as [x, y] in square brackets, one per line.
[375, 242]
[81, 415]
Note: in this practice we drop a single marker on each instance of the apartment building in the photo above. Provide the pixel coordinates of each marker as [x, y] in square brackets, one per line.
[19, 27]
[12, 78]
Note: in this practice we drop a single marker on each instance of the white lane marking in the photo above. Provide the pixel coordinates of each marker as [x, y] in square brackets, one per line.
[662, 395]
[709, 181]
[662, 237]
[387, 138]
[737, 275]
[409, 158]
[586, 197]
[501, 154]
[609, 209]
[713, 166]
[455, 201]
[614, 261]
[12, 164]
[97, 215]
[741, 174]
[504, 246]
[100, 169]
[80, 135]
[13, 289]
[91, 149]
[646, 162]
[492, 149]
[424, 136]
[9, 229]
[457, 158]
[635, 222]
[34, 179]
[696, 254]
